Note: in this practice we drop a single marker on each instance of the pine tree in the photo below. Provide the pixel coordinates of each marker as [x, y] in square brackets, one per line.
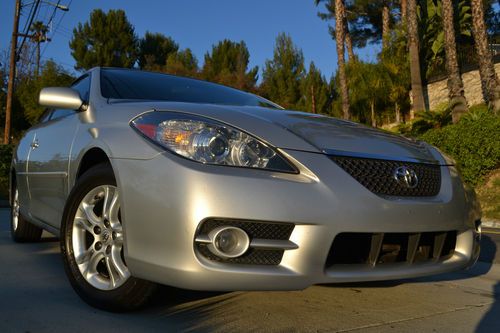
[227, 64]
[182, 63]
[283, 74]
[154, 49]
[108, 39]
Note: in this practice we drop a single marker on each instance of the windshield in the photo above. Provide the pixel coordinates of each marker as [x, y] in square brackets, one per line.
[135, 84]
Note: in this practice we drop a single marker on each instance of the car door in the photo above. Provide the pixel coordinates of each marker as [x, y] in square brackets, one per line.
[48, 162]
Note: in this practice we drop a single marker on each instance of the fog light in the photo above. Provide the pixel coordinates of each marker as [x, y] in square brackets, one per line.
[228, 242]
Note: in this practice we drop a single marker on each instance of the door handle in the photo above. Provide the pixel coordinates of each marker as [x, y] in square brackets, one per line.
[35, 144]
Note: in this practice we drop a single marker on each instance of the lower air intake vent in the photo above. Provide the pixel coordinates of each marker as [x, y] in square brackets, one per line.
[382, 249]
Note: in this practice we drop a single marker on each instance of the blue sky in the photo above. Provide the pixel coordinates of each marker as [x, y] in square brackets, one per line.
[198, 24]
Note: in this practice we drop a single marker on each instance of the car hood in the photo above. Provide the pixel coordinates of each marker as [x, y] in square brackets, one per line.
[308, 132]
[340, 137]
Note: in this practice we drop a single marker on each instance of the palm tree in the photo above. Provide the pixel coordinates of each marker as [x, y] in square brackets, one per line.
[39, 35]
[489, 79]
[403, 11]
[330, 14]
[417, 90]
[458, 103]
[340, 38]
[386, 19]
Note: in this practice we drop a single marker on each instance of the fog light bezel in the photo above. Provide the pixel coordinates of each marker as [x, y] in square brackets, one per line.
[242, 247]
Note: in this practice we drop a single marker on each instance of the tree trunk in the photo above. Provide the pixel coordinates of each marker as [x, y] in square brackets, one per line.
[340, 38]
[37, 68]
[489, 79]
[348, 42]
[417, 90]
[385, 24]
[313, 99]
[458, 102]
[403, 11]
[397, 109]
[374, 121]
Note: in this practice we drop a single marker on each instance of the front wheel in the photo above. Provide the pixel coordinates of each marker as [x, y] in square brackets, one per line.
[92, 245]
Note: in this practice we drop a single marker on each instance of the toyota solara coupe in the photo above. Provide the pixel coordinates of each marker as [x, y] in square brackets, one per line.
[150, 178]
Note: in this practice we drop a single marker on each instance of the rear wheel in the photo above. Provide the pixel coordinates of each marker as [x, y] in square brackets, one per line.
[20, 229]
[92, 245]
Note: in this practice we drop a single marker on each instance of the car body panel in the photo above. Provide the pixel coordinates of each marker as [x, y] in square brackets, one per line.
[48, 168]
[165, 198]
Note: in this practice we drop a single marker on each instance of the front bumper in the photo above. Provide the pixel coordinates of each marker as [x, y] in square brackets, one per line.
[164, 199]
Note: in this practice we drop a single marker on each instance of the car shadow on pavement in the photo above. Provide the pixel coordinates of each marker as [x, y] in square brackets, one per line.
[491, 321]
[194, 309]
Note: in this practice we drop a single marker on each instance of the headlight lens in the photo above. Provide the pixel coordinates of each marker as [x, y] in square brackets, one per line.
[208, 141]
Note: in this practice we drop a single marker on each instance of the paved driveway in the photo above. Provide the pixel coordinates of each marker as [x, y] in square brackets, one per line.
[36, 297]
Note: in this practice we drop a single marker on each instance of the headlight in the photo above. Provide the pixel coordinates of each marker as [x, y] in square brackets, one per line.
[207, 141]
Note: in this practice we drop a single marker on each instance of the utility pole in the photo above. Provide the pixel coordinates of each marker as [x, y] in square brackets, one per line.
[12, 73]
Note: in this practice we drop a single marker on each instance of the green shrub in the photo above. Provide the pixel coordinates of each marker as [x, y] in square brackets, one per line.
[5, 160]
[474, 142]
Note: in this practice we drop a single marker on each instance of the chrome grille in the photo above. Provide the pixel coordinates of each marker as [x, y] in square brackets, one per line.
[264, 230]
[378, 176]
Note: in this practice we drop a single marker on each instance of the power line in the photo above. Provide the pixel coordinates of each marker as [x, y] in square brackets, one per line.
[29, 15]
[58, 24]
[30, 20]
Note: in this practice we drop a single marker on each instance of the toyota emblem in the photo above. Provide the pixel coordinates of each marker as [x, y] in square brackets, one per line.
[406, 177]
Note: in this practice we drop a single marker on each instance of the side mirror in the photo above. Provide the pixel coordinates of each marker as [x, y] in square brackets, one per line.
[60, 98]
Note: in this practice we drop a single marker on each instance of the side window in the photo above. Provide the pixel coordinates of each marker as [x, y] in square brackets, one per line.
[82, 85]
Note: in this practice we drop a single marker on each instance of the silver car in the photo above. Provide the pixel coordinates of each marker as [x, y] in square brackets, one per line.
[150, 178]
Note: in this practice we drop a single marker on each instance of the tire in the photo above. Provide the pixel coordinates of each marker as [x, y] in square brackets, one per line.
[92, 245]
[21, 230]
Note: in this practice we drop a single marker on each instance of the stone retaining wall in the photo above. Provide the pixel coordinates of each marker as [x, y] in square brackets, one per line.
[437, 92]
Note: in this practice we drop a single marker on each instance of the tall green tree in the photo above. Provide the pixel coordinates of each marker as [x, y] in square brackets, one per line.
[227, 64]
[489, 78]
[182, 63]
[283, 74]
[368, 83]
[154, 49]
[394, 59]
[107, 39]
[316, 94]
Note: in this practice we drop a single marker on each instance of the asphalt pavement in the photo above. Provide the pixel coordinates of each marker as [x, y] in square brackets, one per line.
[35, 296]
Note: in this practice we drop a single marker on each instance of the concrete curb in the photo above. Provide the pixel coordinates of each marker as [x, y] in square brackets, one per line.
[490, 223]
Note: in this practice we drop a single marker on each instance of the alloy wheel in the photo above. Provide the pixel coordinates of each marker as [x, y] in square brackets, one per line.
[97, 239]
[15, 210]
